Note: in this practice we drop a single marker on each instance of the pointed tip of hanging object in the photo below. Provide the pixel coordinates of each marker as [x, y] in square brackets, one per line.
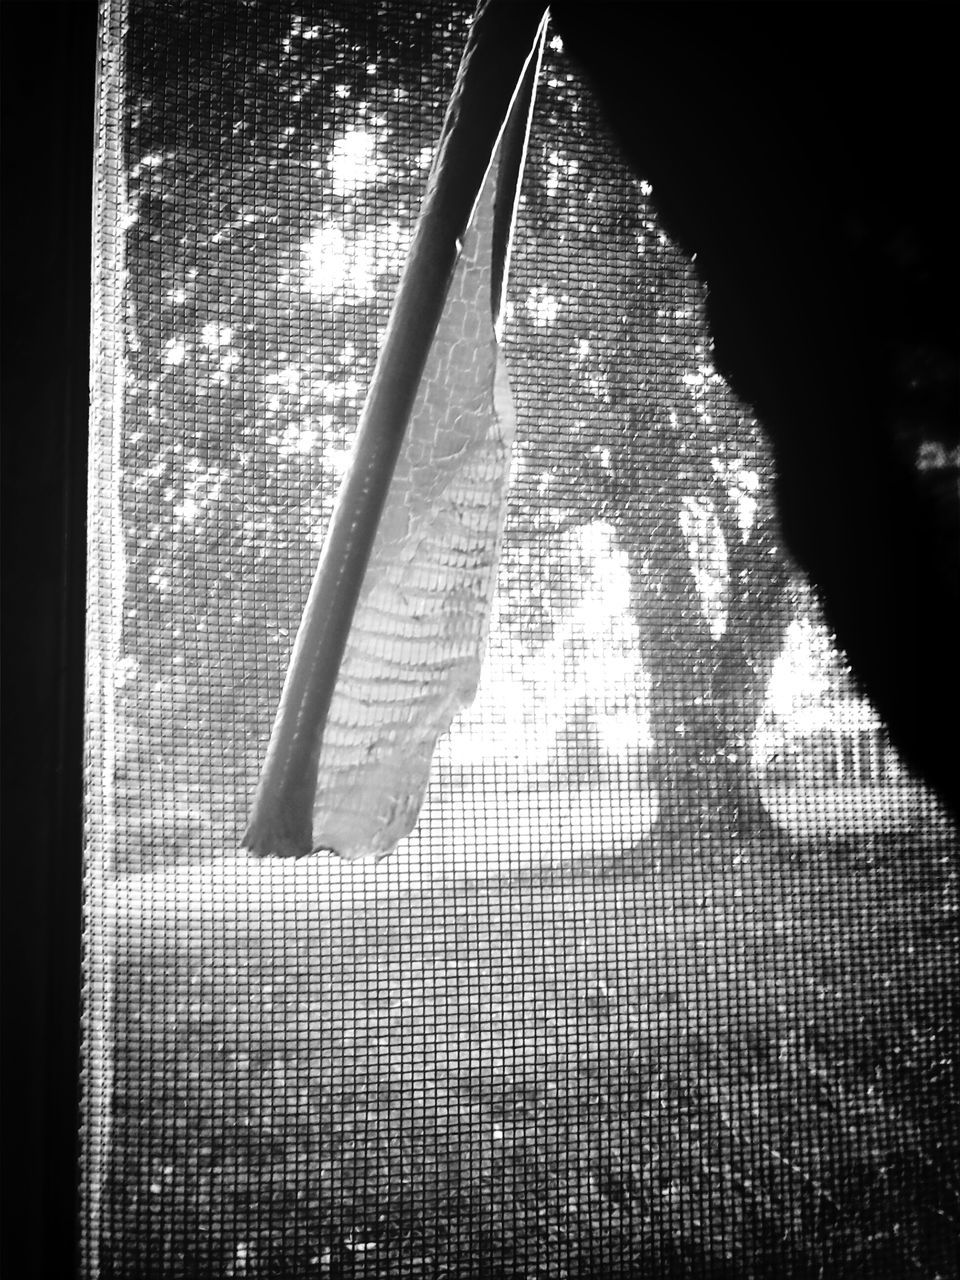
[278, 834]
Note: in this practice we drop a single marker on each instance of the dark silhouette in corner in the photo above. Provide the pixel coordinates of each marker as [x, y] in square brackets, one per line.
[803, 154]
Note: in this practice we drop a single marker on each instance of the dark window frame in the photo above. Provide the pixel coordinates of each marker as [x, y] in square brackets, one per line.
[48, 84]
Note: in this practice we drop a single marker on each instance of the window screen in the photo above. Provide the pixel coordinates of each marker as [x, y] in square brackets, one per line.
[663, 982]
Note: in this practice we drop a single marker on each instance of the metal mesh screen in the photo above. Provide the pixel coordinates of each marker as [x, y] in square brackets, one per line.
[663, 983]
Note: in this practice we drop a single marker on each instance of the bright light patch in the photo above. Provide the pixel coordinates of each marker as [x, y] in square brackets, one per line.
[353, 161]
[807, 687]
[287, 379]
[337, 458]
[346, 268]
[334, 266]
[174, 352]
[297, 439]
[187, 510]
[522, 718]
[542, 307]
[215, 335]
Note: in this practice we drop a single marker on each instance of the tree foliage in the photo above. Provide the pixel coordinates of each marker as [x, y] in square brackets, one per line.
[609, 341]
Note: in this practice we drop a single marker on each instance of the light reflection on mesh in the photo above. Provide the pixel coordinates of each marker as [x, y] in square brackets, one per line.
[662, 983]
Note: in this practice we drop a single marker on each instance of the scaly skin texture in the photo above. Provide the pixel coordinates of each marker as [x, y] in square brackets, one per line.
[413, 657]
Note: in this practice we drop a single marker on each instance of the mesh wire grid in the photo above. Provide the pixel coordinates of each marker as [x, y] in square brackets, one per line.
[661, 983]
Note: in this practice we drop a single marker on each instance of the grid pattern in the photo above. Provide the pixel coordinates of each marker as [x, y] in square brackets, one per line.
[662, 983]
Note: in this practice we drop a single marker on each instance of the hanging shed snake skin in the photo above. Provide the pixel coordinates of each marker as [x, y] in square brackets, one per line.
[413, 658]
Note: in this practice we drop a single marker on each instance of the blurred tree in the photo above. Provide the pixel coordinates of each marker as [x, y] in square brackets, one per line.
[609, 340]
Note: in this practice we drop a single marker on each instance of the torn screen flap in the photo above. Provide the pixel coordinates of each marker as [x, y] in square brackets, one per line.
[412, 659]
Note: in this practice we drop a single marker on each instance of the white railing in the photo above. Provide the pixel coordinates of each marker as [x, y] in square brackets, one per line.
[839, 743]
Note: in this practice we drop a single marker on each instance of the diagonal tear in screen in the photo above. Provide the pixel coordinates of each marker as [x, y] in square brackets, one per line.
[354, 736]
